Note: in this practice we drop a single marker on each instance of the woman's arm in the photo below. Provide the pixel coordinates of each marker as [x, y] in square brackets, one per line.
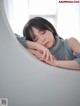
[31, 45]
[74, 44]
[35, 53]
[68, 64]
[40, 48]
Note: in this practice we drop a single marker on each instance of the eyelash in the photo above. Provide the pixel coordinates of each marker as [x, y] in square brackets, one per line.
[42, 32]
[35, 39]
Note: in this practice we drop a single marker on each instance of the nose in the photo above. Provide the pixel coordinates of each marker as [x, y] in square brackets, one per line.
[42, 39]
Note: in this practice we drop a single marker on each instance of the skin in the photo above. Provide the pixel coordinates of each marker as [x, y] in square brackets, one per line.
[38, 49]
[44, 40]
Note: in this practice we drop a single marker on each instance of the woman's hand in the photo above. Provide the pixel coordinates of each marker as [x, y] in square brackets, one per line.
[52, 62]
[41, 49]
[45, 52]
[39, 56]
[35, 53]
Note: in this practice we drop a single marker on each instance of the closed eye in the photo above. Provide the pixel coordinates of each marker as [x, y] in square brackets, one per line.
[42, 32]
[35, 39]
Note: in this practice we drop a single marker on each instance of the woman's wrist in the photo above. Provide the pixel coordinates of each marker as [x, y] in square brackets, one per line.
[31, 44]
[55, 63]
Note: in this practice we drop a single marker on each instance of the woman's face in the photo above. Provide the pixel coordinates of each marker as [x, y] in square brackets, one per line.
[44, 37]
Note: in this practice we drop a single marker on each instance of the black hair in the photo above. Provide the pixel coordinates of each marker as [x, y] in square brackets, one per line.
[40, 24]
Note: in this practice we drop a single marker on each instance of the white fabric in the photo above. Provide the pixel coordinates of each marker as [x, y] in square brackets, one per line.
[25, 81]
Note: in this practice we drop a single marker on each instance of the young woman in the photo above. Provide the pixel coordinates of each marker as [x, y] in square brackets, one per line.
[44, 42]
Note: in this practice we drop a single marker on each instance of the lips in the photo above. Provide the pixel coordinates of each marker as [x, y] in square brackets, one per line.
[45, 44]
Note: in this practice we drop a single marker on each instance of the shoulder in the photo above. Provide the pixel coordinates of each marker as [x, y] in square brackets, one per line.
[72, 40]
[74, 44]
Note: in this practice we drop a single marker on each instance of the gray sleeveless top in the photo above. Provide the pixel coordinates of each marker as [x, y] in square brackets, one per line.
[62, 49]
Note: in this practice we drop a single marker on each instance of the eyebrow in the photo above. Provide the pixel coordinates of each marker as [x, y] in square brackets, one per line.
[38, 31]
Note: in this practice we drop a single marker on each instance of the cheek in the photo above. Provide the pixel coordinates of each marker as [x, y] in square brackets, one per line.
[50, 37]
[39, 41]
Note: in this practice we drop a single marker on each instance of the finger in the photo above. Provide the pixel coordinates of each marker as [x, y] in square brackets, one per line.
[51, 57]
[43, 56]
[47, 57]
[38, 57]
[43, 60]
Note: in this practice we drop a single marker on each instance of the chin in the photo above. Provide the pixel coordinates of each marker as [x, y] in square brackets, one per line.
[48, 46]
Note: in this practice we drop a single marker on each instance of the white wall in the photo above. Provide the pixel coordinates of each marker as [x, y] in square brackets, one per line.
[8, 4]
[17, 13]
[68, 19]
[20, 15]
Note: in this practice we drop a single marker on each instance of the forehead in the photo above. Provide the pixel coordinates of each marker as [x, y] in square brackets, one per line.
[35, 29]
[34, 32]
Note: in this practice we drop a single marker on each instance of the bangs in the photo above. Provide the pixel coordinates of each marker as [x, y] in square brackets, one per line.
[39, 24]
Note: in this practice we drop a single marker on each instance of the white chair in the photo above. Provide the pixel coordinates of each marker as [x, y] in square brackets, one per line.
[25, 81]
